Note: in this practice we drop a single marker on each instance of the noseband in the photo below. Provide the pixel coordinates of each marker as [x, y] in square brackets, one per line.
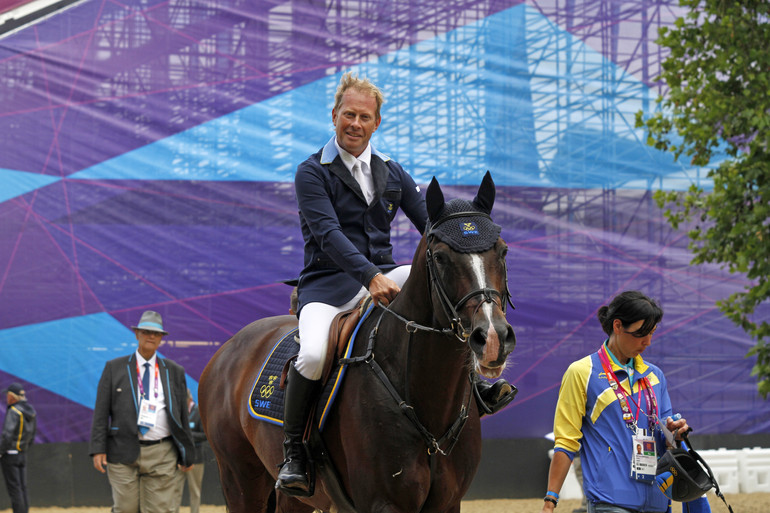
[451, 310]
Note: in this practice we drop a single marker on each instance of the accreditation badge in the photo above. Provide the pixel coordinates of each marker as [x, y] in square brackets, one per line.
[148, 413]
[644, 460]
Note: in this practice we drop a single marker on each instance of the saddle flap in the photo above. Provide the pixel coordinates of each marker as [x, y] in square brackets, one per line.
[343, 325]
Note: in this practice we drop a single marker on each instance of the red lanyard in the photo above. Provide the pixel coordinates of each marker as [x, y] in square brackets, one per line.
[644, 384]
[139, 378]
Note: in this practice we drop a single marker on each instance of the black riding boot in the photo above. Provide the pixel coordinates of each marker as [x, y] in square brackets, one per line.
[492, 397]
[299, 398]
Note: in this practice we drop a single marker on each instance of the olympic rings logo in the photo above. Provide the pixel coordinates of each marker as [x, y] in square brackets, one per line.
[266, 391]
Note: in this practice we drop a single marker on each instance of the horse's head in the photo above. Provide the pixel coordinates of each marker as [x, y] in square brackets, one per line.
[468, 276]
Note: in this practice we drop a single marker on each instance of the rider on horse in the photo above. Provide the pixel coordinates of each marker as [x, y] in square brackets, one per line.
[348, 194]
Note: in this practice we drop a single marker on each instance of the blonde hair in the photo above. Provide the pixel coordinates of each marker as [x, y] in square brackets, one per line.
[350, 81]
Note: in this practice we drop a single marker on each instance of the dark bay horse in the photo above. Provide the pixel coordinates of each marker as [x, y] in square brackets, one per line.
[403, 435]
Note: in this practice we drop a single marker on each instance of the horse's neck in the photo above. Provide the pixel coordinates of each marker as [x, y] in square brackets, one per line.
[433, 361]
[429, 350]
[438, 359]
[431, 368]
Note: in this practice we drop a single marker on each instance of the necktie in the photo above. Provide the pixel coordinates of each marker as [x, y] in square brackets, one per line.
[146, 388]
[146, 381]
[356, 171]
[358, 174]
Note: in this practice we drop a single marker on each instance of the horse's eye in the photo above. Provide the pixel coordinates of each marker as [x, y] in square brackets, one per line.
[439, 258]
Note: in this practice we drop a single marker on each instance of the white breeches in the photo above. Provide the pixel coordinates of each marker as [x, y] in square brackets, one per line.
[315, 319]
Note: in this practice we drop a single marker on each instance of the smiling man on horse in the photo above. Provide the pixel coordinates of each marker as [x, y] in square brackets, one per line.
[348, 194]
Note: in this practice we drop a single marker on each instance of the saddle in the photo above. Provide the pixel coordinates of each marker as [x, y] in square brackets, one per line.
[342, 327]
[267, 395]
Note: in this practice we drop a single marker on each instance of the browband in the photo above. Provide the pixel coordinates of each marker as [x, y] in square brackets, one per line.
[469, 213]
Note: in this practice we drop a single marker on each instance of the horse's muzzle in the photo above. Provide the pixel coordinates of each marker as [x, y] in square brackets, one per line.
[492, 343]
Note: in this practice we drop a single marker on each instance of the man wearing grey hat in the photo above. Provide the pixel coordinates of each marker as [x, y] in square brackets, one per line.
[18, 434]
[140, 433]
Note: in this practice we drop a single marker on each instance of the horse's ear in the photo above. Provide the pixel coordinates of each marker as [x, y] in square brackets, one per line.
[434, 200]
[485, 198]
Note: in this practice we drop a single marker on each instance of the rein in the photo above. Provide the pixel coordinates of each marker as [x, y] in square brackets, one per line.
[453, 433]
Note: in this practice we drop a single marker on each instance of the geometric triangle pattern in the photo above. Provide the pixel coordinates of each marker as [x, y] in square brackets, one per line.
[149, 149]
[577, 156]
[16, 183]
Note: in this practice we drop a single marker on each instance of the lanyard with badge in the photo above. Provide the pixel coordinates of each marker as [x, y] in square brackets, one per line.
[644, 459]
[148, 407]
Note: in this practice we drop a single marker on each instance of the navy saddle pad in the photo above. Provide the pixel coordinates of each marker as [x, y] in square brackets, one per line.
[266, 398]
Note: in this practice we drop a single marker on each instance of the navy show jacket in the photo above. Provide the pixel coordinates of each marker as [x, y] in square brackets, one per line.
[347, 242]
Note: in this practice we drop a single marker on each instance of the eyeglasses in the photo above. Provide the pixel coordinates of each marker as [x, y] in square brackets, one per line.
[149, 333]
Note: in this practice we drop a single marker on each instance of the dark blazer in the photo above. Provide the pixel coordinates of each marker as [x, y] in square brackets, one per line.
[347, 241]
[114, 430]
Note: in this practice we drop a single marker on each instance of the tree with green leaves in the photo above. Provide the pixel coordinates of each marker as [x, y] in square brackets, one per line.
[716, 113]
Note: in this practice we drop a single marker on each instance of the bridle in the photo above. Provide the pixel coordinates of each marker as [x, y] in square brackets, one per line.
[456, 329]
[451, 310]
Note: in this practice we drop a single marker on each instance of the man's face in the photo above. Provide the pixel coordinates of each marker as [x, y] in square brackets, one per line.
[355, 121]
[148, 341]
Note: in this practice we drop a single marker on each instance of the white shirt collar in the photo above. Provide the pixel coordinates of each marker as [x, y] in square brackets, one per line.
[348, 159]
[142, 361]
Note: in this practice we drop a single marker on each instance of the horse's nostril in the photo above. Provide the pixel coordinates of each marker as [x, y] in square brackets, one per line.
[478, 339]
[510, 338]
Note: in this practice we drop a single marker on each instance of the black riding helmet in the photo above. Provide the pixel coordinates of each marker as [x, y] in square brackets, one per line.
[690, 479]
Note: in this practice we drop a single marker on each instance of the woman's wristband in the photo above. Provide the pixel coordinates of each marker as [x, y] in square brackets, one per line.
[548, 498]
[553, 494]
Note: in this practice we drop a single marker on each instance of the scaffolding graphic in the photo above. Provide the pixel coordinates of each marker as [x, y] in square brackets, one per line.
[149, 147]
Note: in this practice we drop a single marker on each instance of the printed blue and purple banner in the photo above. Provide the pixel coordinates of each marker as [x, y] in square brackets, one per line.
[147, 159]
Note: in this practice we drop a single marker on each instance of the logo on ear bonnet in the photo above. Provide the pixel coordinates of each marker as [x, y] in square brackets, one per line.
[469, 229]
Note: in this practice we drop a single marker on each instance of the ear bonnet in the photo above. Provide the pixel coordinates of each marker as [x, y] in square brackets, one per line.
[465, 226]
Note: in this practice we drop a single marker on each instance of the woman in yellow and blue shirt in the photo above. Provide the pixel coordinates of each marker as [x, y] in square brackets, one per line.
[612, 404]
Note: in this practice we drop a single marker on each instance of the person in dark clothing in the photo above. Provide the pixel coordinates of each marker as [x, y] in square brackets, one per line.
[19, 430]
[348, 194]
[194, 476]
